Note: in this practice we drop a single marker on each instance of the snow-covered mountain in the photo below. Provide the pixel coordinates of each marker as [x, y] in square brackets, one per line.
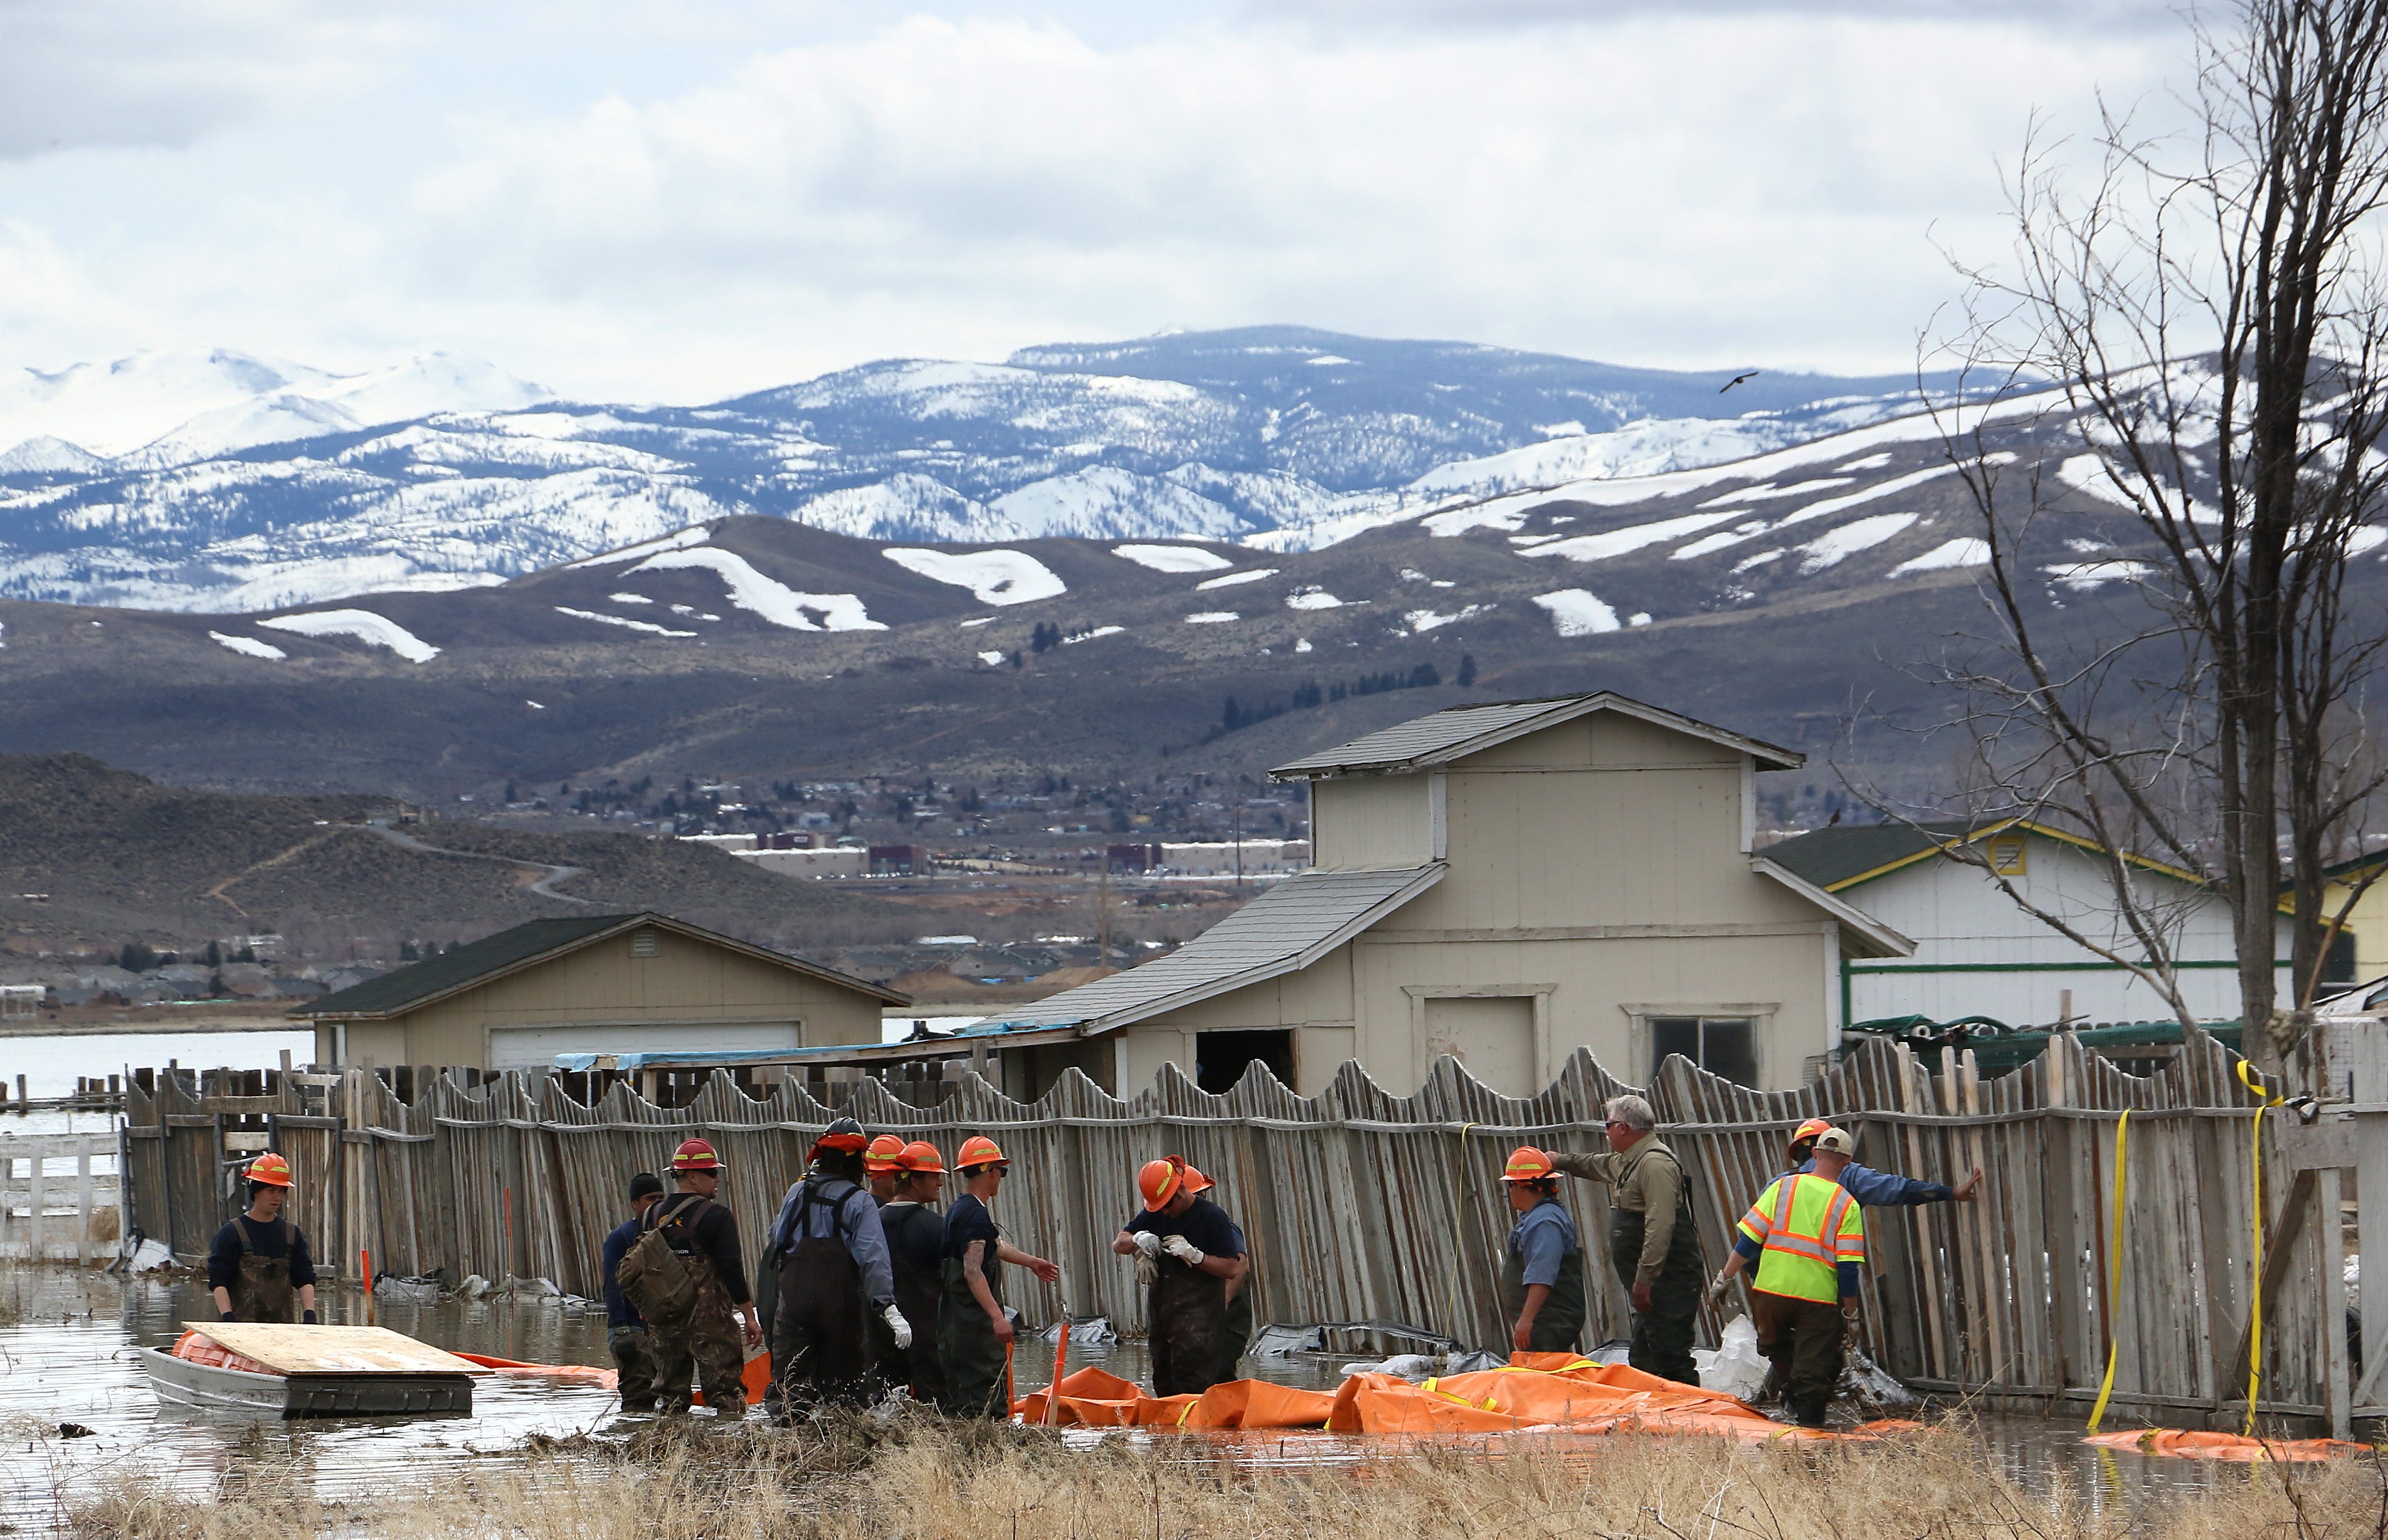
[220, 482]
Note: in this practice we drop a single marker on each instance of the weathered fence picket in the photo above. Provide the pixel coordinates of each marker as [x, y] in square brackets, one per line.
[1366, 1205]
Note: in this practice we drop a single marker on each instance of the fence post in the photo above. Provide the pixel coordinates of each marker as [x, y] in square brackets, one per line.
[34, 1199]
[82, 1207]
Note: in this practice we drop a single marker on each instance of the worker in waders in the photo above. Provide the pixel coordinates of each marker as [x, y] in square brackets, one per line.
[973, 1332]
[1807, 1235]
[880, 1167]
[258, 1267]
[1187, 1252]
[1653, 1245]
[916, 1238]
[626, 1329]
[833, 1277]
[1542, 1264]
[710, 1344]
[1240, 1289]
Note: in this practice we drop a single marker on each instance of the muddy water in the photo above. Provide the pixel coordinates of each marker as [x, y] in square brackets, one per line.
[74, 1359]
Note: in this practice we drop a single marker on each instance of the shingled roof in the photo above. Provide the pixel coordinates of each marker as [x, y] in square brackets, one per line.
[1426, 742]
[418, 984]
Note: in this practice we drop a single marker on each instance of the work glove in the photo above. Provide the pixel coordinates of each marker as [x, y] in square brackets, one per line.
[898, 1324]
[1718, 1285]
[305, 1318]
[1147, 1243]
[1184, 1250]
[1148, 1272]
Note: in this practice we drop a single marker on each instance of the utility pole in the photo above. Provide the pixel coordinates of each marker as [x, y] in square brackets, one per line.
[1103, 910]
[1238, 825]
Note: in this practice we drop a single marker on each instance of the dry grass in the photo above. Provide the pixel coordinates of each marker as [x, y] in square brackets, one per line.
[924, 1482]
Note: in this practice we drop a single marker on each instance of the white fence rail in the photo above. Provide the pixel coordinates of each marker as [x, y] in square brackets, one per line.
[60, 1197]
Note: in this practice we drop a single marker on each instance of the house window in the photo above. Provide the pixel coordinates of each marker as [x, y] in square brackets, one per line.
[2007, 857]
[643, 943]
[1725, 1045]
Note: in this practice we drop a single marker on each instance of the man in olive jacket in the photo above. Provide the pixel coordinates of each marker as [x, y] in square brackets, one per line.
[1652, 1244]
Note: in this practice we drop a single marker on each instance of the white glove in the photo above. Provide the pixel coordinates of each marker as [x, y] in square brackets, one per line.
[898, 1324]
[1147, 1243]
[1718, 1285]
[1184, 1250]
[1148, 1272]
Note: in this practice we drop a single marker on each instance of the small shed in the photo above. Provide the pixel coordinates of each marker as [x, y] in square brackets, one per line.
[592, 984]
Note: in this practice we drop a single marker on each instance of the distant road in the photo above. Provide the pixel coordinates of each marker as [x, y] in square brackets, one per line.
[555, 874]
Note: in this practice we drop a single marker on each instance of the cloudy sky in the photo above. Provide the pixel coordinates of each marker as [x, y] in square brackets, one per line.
[680, 199]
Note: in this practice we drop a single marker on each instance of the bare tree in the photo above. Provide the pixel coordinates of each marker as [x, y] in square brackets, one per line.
[2196, 329]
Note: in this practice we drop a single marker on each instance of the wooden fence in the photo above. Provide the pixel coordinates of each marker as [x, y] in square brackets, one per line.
[1364, 1206]
[58, 1196]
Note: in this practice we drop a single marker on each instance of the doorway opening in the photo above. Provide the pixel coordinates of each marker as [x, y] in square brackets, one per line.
[1221, 1058]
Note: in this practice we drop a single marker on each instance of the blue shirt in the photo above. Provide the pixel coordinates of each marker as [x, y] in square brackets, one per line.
[851, 1211]
[1885, 1190]
[1543, 1238]
[620, 1311]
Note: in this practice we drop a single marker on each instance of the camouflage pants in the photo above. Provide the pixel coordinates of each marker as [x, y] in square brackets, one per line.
[634, 1361]
[711, 1345]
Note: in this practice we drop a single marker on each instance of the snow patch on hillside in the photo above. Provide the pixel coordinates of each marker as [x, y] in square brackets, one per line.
[908, 506]
[678, 540]
[1632, 538]
[767, 597]
[1965, 552]
[1233, 578]
[1173, 559]
[1834, 546]
[624, 622]
[363, 625]
[1575, 613]
[1213, 617]
[248, 647]
[42, 455]
[1105, 502]
[993, 576]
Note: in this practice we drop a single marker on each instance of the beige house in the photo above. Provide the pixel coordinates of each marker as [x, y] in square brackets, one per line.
[593, 984]
[1503, 883]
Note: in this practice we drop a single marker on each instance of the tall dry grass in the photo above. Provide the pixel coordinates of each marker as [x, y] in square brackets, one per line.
[858, 1482]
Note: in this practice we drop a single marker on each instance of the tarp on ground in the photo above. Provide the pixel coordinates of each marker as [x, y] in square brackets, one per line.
[2193, 1444]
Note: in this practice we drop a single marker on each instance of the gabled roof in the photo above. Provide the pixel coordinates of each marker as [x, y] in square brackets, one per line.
[1839, 858]
[1287, 929]
[534, 942]
[1426, 742]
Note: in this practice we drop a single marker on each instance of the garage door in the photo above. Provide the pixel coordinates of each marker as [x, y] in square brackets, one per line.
[1494, 1038]
[536, 1047]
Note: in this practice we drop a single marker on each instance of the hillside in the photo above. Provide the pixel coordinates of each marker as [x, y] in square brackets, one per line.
[118, 857]
[1771, 594]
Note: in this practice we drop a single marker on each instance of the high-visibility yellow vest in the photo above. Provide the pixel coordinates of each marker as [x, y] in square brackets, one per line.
[1805, 1226]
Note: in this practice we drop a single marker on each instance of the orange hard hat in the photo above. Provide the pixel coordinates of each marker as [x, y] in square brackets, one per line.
[1527, 1164]
[270, 1169]
[920, 1155]
[979, 1150]
[1196, 1181]
[1160, 1179]
[1808, 1131]
[695, 1154]
[884, 1153]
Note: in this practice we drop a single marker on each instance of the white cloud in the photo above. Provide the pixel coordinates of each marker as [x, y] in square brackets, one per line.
[652, 216]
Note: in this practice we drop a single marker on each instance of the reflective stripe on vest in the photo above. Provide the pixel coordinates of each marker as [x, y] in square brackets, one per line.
[1801, 1239]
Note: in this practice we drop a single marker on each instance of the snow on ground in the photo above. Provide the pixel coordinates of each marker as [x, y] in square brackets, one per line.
[1766, 491]
[646, 626]
[250, 647]
[1759, 560]
[1313, 598]
[2367, 539]
[694, 535]
[629, 598]
[1632, 538]
[1104, 501]
[1301, 644]
[1966, 552]
[1090, 636]
[1575, 613]
[1869, 462]
[1213, 617]
[693, 613]
[767, 597]
[1173, 557]
[990, 659]
[976, 620]
[363, 625]
[1427, 620]
[1254, 576]
[992, 576]
[2083, 577]
[1834, 547]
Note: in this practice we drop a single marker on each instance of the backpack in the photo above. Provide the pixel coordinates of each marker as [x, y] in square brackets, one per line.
[652, 1275]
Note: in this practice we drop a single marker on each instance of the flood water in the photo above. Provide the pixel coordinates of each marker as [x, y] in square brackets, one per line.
[74, 1359]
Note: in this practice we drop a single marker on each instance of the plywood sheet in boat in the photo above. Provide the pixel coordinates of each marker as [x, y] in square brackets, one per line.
[329, 1349]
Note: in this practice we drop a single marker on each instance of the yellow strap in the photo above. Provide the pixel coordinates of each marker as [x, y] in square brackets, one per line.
[2114, 1278]
[1184, 1412]
[2265, 1098]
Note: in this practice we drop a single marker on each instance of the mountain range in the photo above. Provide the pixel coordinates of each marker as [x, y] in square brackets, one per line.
[223, 483]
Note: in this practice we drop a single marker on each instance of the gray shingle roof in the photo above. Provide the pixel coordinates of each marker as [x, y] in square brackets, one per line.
[1461, 730]
[1829, 857]
[1287, 927]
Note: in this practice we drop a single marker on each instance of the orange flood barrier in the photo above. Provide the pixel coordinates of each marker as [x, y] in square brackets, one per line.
[570, 1374]
[1554, 1392]
[2185, 1444]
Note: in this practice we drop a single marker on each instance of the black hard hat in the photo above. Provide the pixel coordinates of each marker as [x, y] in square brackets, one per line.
[845, 1134]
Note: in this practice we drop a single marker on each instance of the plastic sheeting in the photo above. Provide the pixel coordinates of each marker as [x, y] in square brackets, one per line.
[2190, 1443]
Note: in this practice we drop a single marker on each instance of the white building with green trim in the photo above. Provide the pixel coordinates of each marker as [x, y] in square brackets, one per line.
[1979, 952]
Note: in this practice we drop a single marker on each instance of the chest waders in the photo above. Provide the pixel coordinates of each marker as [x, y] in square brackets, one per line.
[966, 1341]
[820, 1341]
[1662, 1334]
[920, 1294]
[262, 1292]
[1560, 1321]
[1187, 1314]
